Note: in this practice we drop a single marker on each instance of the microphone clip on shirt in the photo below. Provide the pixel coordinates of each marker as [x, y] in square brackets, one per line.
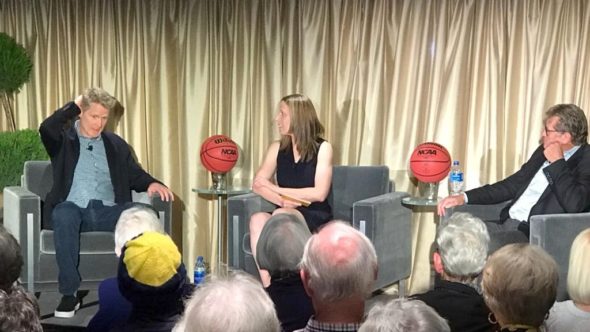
[89, 147]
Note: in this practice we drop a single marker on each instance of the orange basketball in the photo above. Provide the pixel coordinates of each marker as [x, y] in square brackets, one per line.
[219, 154]
[430, 162]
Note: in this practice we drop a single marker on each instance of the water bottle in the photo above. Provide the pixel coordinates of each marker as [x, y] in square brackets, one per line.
[200, 271]
[456, 183]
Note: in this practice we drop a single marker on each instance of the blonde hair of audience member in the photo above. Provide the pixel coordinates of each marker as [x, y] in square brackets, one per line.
[133, 222]
[403, 315]
[235, 303]
[578, 276]
[281, 244]
[339, 262]
[305, 126]
[462, 248]
[520, 284]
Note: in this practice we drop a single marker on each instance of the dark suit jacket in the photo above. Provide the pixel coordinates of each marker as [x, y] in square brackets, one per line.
[568, 190]
[63, 146]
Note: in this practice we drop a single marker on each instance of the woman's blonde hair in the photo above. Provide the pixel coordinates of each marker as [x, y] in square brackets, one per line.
[305, 126]
[520, 283]
[578, 275]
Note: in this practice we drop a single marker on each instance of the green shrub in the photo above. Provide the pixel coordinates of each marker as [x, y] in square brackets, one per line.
[15, 70]
[16, 148]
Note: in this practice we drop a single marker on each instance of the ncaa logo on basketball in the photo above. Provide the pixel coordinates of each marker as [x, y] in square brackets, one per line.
[427, 151]
[228, 151]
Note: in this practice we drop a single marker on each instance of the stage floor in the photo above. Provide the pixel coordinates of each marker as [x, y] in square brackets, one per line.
[48, 301]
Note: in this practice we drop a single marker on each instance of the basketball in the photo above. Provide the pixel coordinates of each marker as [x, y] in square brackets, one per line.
[219, 154]
[430, 162]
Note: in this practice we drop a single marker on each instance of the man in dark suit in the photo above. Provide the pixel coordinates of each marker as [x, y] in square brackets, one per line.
[556, 179]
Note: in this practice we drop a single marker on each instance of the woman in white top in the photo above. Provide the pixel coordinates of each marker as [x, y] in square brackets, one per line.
[574, 315]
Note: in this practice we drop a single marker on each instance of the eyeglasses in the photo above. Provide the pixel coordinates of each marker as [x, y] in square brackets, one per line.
[547, 130]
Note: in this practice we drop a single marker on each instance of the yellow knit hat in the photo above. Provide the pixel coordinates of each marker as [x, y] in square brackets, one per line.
[151, 258]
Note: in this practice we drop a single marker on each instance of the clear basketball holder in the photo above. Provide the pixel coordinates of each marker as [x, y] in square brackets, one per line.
[428, 195]
[219, 182]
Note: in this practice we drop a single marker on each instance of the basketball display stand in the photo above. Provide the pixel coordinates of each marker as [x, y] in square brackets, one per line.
[219, 181]
[428, 190]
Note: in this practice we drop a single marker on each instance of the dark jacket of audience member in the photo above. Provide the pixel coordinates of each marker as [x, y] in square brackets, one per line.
[279, 250]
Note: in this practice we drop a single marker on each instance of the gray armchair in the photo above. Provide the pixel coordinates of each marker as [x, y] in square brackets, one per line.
[554, 233]
[22, 218]
[363, 195]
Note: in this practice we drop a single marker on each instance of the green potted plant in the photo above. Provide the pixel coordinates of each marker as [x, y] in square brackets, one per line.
[15, 148]
[15, 70]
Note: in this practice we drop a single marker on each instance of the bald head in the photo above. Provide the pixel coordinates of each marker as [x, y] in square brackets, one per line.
[338, 263]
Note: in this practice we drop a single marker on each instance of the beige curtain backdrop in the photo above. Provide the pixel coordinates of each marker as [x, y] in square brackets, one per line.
[384, 75]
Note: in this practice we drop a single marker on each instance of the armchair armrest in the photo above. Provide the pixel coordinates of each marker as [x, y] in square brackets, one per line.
[239, 210]
[387, 223]
[555, 233]
[484, 212]
[163, 208]
[22, 218]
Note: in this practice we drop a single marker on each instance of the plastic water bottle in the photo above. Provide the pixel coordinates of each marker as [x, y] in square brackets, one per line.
[456, 183]
[200, 271]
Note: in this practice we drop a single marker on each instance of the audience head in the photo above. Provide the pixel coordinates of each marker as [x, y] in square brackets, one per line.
[519, 284]
[236, 302]
[151, 273]
[133, 222]
[462, 243]
[11, 259]
[403, 315]
[19, 311]
[339, 262]
[572, 120]
[303, 124]
[578, 276]
[281, 243]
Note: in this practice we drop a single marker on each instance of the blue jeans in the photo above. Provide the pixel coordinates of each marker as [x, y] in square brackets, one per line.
[69, 220]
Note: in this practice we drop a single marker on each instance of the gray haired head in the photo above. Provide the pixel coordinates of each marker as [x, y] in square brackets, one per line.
[281, 243]
[463, 245]
[403, 315]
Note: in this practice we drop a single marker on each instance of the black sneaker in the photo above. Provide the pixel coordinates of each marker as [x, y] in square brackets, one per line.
[67, 306]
